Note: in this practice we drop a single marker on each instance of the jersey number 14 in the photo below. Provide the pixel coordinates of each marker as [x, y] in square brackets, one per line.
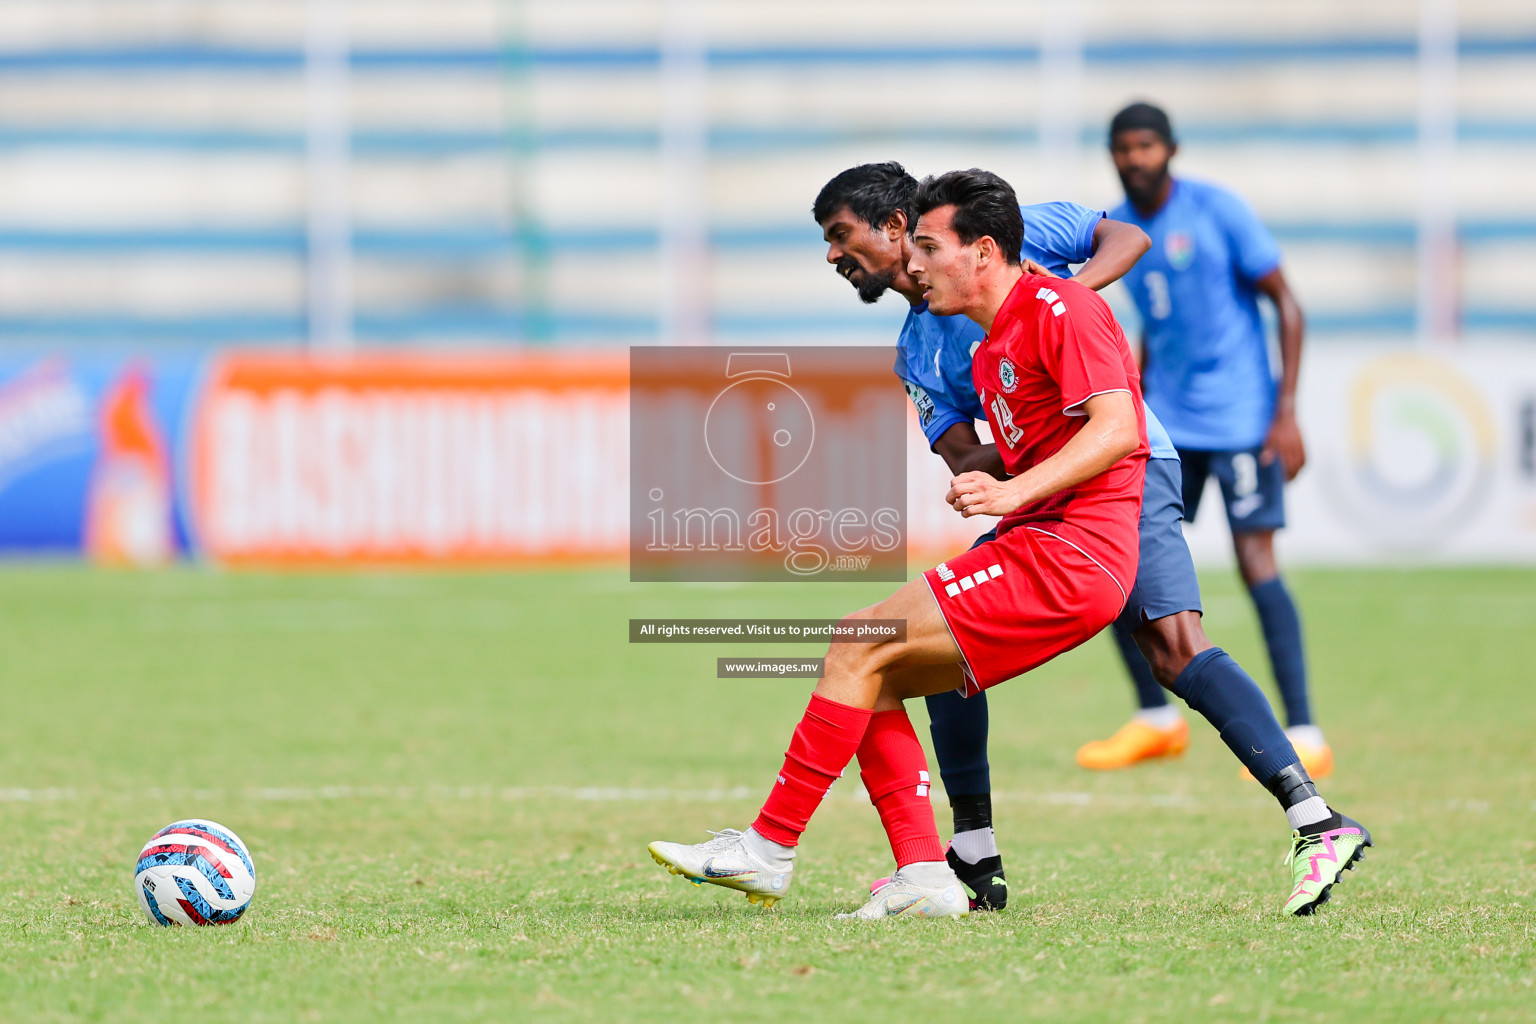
[1010, 432]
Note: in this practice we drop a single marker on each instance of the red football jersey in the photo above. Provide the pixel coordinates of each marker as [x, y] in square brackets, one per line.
[1054, 344]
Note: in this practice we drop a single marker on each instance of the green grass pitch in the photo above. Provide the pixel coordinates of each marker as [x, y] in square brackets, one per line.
[448, 782]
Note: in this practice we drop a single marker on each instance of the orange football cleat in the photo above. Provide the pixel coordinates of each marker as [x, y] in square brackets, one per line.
[1136, 741]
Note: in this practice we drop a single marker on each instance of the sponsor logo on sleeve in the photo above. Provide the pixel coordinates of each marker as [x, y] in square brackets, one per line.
[922, 402]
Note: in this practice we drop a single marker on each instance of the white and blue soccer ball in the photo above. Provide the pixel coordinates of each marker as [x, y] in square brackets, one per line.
[194, 872]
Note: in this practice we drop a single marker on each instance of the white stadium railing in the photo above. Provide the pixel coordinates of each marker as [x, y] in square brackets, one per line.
[514, 165]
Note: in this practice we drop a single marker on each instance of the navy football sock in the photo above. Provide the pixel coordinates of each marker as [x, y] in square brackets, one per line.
[1282, 634]
[1217, 687]
[1148, 693]
[959, 728]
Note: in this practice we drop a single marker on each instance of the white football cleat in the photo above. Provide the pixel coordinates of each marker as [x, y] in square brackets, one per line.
[902, 897]
[726, 861]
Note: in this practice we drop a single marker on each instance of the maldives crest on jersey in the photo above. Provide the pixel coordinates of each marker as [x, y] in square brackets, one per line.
[1007, 376]
[1179, 247]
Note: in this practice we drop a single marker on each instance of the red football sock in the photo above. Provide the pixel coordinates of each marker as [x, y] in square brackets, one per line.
[895, 771]
[821, 748]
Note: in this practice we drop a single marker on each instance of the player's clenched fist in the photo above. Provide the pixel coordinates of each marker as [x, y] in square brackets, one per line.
[981, 494]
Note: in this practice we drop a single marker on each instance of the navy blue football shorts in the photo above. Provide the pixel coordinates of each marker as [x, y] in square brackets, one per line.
[1165, 576]
[1254, 492]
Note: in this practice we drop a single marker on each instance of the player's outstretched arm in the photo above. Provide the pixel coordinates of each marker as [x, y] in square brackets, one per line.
[963, 451]
[1284, 441]
[1116, 248]
[1111, 433]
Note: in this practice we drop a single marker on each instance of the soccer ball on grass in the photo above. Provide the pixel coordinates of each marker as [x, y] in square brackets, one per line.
[194, 872]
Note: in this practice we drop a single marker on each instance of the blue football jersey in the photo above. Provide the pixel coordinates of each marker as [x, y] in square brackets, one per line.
[1057, 235]
[933, 353]
[1208, 368]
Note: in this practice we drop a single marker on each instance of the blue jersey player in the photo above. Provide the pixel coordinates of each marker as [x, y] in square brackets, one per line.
[864, 216]
[1206, 369]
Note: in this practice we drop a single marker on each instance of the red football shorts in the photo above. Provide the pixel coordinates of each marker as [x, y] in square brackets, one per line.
[1018, 601]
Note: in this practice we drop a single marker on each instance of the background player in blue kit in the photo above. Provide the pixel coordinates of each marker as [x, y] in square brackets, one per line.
[1206, 370]
[863, 213]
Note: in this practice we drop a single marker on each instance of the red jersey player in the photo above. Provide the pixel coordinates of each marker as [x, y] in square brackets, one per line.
[1052, 351]
[1063, 399]
[1058, 575]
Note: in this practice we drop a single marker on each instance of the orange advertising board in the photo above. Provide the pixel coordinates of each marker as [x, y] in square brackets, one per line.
[402, 458]
[439, 458]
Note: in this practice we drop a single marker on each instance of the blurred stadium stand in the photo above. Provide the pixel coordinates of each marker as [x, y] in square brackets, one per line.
[511, 158]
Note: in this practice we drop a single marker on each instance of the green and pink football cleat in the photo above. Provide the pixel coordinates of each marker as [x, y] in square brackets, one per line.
[1317, 863]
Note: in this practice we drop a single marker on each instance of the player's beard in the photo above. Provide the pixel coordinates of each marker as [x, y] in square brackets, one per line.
[1143, 189]
[872, 286]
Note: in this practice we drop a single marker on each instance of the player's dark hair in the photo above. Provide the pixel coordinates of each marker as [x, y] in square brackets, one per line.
[871, 192]
[1138, 116]
[984, 205]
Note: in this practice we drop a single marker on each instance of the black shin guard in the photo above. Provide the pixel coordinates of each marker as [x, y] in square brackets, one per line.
[971, 810]
[1292, 785]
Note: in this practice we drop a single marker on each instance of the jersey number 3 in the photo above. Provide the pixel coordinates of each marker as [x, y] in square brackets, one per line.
[1011, 433]
[1158, 296]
